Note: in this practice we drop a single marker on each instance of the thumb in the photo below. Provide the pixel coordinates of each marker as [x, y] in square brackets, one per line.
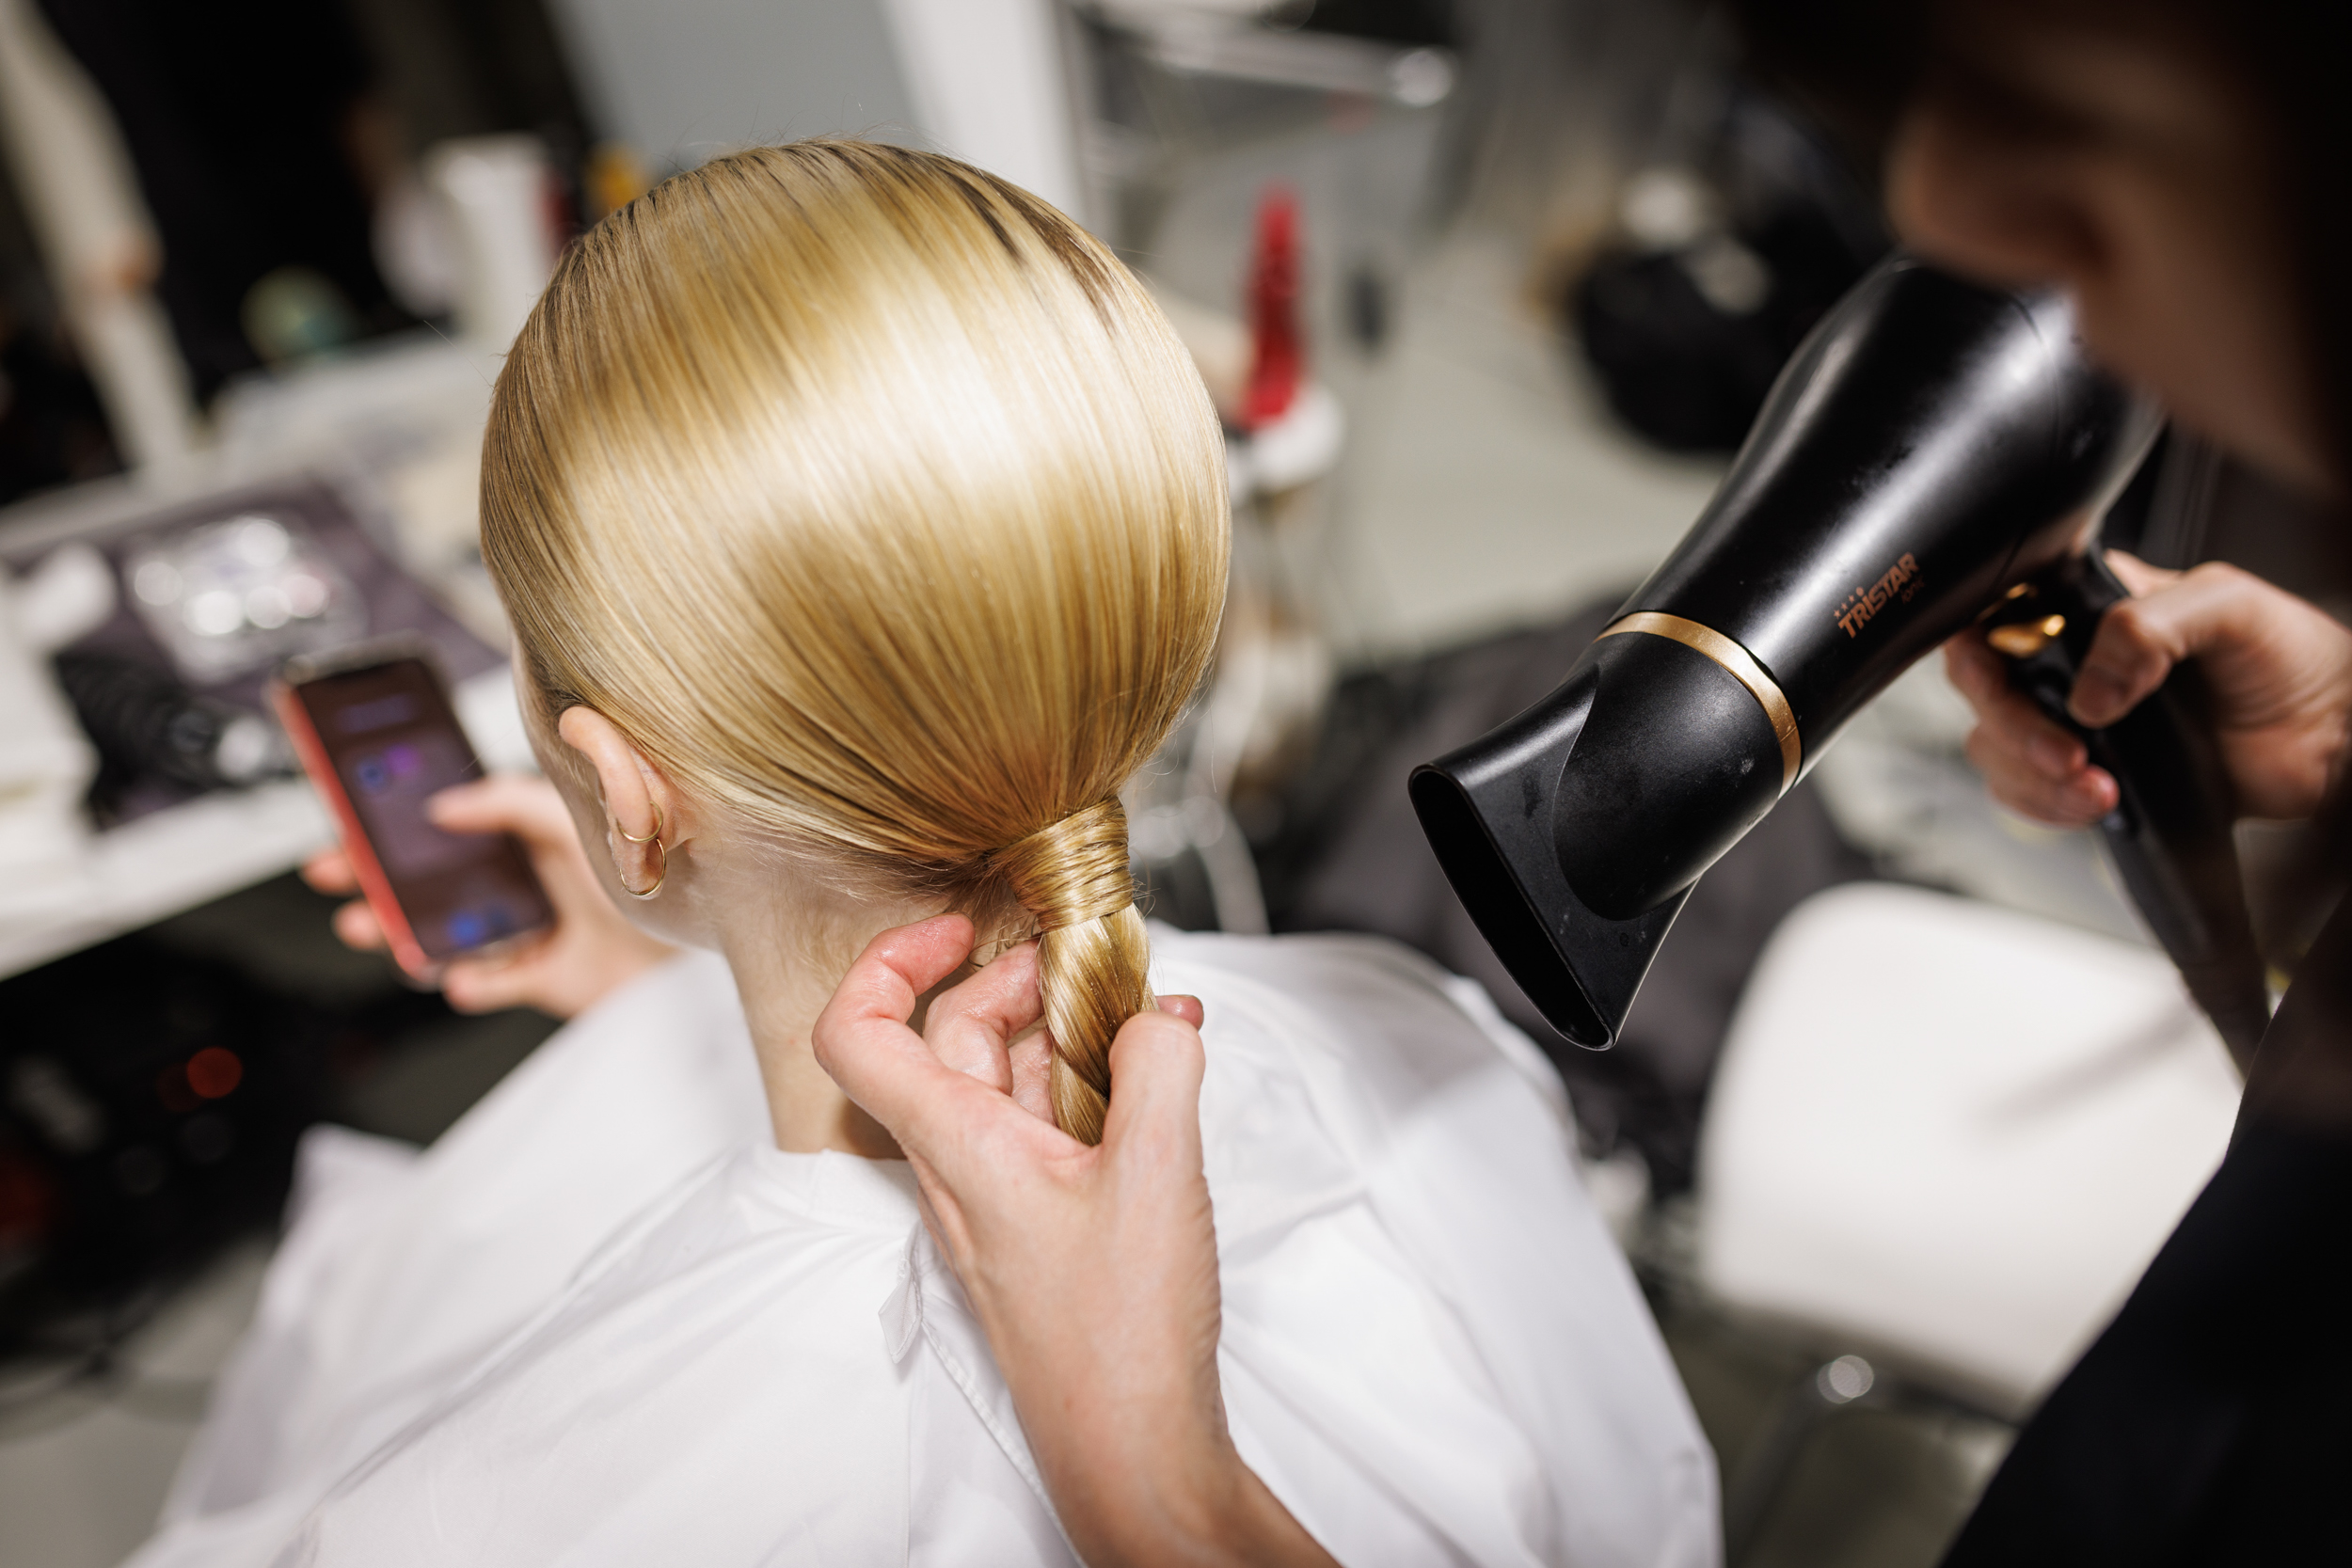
[515, 803]
[1153, 1124]
[2140, 640]
[2136, 575]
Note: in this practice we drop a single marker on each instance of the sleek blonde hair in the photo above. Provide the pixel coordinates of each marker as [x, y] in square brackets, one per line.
[878, 505]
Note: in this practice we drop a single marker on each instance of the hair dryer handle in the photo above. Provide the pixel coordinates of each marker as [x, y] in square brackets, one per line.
[2169, 833]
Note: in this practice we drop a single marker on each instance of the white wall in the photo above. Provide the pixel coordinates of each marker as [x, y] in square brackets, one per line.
[680, 80]
[989, 86]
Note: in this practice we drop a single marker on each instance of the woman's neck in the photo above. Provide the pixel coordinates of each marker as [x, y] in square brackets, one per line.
[782, 998]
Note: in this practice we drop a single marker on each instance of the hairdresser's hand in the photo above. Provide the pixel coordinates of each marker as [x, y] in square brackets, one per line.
[1093, 1270]
[592, 950]
[2279, 671]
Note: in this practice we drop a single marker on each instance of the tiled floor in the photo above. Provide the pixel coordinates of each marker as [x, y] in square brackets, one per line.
[1482, 485]
[82, 1477]
[1882, 1483]
[1486, 484]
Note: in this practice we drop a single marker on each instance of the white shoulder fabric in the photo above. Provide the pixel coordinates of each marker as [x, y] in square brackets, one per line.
[982, 1500]
[1464, 1335]
[401, 1269]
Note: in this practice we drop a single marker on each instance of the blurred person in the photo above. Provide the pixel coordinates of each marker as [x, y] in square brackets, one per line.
[2178, 165]
[260, 143]
[864, 529]
[2179, 169]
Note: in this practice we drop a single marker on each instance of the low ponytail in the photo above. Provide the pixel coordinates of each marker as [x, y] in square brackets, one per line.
[879, 506]
[1093, 955]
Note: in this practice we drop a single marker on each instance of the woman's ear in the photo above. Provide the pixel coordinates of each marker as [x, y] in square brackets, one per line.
[638, 800]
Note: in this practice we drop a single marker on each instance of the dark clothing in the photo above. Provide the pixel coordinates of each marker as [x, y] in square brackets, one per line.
[236, 113]
[2212, 1422]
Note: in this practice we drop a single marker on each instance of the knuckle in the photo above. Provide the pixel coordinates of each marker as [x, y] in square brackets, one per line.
[2125, 629]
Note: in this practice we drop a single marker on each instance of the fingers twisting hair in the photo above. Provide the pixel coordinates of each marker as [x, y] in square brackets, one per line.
[1093, 955]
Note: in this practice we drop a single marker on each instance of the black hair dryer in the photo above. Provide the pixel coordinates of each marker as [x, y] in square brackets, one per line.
[1934, 455]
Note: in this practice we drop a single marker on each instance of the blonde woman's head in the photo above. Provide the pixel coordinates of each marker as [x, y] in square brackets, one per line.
[876, 506]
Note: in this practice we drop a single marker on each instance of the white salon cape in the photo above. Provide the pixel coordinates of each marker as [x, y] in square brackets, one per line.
[1433, 1353]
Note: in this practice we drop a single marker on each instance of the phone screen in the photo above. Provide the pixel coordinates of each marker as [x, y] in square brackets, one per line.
[382, 740]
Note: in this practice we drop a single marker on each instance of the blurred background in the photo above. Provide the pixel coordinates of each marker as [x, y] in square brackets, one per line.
[1486, 290]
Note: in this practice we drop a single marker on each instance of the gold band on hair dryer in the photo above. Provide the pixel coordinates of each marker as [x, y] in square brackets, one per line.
[1737, 662]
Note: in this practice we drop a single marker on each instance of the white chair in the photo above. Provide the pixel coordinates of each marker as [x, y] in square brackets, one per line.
[1948, 1138]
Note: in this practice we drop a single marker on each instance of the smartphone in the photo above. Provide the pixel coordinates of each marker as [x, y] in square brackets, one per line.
[376, 733]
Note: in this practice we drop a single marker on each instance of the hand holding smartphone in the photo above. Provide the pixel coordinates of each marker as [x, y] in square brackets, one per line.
[376, 734]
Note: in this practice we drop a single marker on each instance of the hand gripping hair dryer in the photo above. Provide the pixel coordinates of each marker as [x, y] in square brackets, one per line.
[1935, 454]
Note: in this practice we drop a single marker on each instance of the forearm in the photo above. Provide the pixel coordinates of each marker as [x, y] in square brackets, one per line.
[1126, 1416]
[1212, 1512]
[1259, 1529]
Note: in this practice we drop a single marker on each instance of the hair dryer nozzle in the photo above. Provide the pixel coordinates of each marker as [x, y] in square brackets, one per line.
[1573, 832]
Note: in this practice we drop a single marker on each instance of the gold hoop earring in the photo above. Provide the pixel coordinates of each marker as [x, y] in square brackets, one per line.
[660, 850]
[659, 876]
